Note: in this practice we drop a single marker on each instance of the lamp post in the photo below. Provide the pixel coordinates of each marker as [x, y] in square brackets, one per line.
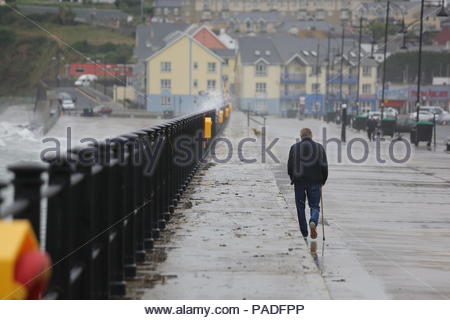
[419, 72]
[359, 64]
[343, 121]
[442, 13]
[327, 89]
[384, 59]
[58, 58]
[341, 66]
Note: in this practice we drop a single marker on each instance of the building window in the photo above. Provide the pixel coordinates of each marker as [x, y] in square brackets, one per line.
[367, 71]
[166, 66]
[195, 65]
[261, 70]
[196, 84]
[320, 15]
[367, 88]
[166, 84]
[166, 101]
[261, 87]
[211, 84]
[225, 62]
[158, 11]
[206, 15]
[176, 11]
[79, 69]
[316, 70]
[166, 11]
[211, 67]
[249, 26]
[316, 87]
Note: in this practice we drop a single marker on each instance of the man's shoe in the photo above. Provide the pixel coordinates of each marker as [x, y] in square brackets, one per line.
[312, 226]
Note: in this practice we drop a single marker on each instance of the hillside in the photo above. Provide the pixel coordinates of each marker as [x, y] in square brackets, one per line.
[29, 52]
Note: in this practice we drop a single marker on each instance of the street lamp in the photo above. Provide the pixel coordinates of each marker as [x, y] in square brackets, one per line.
[402, 30]
[343, 121]
[442, 13]
[384, 58]
[359, 64]
[341, 66]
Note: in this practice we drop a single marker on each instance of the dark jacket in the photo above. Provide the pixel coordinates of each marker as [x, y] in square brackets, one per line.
[308, 162]
[371, 124]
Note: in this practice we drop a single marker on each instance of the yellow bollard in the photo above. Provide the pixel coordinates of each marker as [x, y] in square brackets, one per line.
[24, 270]
[227, 112]
[230, 106]
[220, 116]
[207, 128]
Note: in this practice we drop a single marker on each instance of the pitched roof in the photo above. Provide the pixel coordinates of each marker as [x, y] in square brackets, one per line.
[284, 48]
[253, 48]
[309, 25]
[175, 37]
[151, 38]
[272, 16]
[205, 36]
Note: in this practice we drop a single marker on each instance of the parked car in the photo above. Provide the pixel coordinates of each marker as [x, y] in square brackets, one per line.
[374, 114]
[390, 113]
[423, 115]
[66, 102]
[102, 110]
[441, 115]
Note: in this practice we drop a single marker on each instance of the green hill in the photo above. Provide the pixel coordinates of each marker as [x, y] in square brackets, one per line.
[28, 49]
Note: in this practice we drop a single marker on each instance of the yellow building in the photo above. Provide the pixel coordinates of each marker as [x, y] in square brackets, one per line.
[258, 75]
[278, 73]
[180, 74]
[179, 66]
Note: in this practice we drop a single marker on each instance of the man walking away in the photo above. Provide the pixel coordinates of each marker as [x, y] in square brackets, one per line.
[371, 126]
[308, 170]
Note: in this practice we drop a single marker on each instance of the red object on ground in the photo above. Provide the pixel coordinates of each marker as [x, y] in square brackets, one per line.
[33, 269]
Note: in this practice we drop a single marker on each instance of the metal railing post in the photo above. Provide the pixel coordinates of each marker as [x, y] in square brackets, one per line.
[130, 205]
[60, 240]
[27, 186]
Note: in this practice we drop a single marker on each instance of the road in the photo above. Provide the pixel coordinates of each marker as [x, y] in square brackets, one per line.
[85, 97]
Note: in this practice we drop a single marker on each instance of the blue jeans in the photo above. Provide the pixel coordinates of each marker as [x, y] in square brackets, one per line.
[312, 191]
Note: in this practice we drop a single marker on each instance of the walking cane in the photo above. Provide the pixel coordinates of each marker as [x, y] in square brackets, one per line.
[321, 204]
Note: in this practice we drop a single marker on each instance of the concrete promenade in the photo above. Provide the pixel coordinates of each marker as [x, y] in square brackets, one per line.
[387, 223]
[235, 238]
[236, 234]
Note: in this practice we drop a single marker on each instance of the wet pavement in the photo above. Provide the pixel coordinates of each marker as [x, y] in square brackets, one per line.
[387, 225]
[233, 238]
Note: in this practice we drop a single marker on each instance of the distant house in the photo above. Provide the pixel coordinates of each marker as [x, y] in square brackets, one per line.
[278, 73]
[330, 10]
[179, 65]
[168, 10]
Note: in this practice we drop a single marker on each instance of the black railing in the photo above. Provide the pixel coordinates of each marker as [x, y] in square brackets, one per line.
[107, 203]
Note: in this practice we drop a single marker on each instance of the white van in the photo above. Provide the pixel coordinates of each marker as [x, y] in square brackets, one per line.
[85, 80]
